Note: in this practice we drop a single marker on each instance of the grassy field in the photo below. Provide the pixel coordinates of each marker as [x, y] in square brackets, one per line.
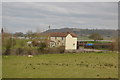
[83, 65]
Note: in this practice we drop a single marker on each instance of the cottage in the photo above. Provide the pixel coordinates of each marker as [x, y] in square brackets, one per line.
[69, 40]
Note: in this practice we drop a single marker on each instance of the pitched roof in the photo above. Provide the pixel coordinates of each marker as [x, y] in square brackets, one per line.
[59, 34]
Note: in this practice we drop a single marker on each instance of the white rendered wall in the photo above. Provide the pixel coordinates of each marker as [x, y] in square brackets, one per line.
[57, 39]
[71, 43]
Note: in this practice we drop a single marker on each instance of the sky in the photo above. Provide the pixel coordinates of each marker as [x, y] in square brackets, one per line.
[37, 16]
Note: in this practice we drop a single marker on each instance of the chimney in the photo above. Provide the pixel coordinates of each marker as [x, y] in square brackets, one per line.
[68, 32]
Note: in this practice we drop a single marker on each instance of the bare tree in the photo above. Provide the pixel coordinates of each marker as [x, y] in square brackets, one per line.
[96, 37]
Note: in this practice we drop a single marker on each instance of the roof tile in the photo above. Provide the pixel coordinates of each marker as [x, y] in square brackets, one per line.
[58, 34]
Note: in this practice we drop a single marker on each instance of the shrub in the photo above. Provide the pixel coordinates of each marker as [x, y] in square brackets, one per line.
[30, 51]
[96, 37]
[19, 51]
[42, 46]
[115, 44]
[7, 45]
[35, 43]
[61, 49]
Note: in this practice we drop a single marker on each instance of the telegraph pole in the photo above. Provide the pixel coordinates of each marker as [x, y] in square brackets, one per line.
[49, 27]
[2, 31]
[49, 36]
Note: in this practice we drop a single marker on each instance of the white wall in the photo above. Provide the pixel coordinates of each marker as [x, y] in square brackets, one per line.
[57, 39]
[71, 43]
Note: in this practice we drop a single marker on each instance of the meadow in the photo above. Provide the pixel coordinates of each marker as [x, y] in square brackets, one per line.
[77, 65]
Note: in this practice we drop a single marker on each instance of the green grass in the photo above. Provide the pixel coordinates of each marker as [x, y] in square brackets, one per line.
[0, 67]
[83, 38]
[83, 65]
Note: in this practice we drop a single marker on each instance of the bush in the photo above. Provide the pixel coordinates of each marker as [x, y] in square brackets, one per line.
[7, 45]
[30, 51]
[60, 49]
[42, 46]
[19, 47]
[35, 43]
[96, 37]
[19, 51]
[116, 44]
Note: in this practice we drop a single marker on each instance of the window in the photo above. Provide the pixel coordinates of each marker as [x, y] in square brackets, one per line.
[73, 44]
[55, 37]
[62, 38]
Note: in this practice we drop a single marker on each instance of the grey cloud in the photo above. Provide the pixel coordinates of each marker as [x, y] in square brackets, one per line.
[17, 16]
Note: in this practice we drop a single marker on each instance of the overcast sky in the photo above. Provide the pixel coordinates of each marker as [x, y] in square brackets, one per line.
[24, 16]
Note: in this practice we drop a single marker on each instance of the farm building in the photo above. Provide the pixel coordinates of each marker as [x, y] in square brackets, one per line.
[69, 40]
[100, 44]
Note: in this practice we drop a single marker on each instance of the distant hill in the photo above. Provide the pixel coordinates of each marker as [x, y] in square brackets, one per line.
[86, 32]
